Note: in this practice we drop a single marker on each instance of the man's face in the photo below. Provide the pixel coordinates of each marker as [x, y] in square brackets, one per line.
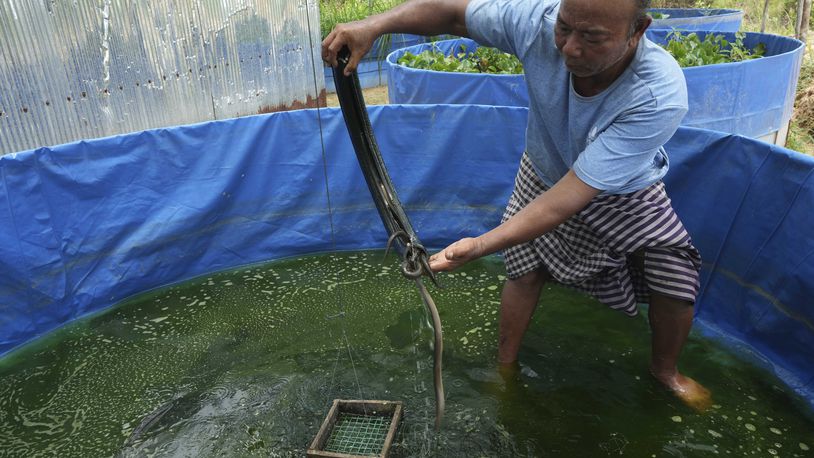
[593, 36]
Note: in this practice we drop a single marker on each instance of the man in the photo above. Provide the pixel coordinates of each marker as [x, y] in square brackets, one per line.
[589, 209]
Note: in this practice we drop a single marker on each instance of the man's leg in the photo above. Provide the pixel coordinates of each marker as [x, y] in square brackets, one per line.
[670, 323]
[517, 303]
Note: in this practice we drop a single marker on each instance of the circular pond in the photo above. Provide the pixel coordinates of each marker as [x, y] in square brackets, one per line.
[247, 363]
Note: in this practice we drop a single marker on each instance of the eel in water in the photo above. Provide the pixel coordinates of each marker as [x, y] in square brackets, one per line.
[415, 263]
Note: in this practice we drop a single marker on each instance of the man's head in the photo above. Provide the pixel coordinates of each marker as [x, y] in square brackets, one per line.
[596, 37]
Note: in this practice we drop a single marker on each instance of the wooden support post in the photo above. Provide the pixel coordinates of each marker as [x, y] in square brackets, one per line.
[765, 16]
[806, 15]
[798, 18]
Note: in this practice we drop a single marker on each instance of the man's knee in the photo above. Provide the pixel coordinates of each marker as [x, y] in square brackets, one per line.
[670, 304]
[532, 279]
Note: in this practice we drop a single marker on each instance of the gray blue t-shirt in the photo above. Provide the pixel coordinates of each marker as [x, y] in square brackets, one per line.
[614, 140]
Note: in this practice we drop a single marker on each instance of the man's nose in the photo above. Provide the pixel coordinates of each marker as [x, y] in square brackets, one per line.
[571, 47]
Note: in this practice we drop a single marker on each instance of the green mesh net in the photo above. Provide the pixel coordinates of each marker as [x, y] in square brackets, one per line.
[358, 434]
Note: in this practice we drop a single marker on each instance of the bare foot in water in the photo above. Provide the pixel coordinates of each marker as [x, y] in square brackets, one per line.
[688, 390]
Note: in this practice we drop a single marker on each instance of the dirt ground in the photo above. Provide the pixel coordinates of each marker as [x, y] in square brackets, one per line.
[804, 108]
[373, 96]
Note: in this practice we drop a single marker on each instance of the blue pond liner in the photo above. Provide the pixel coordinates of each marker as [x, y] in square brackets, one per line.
[90, 223]
[754, 98]
[710, 19]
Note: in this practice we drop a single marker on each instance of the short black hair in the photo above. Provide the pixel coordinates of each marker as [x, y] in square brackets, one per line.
[639, 15]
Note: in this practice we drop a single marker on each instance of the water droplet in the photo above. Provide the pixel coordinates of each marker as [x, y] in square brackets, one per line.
[750, 427]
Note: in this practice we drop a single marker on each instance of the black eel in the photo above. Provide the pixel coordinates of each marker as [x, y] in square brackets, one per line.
[415, 262]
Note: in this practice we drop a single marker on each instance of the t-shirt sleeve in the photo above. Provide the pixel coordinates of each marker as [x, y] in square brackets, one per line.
[509, 25]
[629, 146]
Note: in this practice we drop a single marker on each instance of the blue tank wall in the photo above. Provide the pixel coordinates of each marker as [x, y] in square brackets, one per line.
[710, 19]
[90, 223]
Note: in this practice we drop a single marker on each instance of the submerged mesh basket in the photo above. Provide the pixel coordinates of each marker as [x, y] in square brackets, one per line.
[356, 429]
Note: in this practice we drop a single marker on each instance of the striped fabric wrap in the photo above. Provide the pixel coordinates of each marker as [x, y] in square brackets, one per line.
[600, 249]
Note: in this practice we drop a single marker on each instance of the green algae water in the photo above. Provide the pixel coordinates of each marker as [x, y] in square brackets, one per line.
[247, 363]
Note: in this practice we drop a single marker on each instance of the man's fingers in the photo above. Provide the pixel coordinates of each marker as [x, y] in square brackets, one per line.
[334, 48]
[353, 62]
[327, 55]
[439, 262]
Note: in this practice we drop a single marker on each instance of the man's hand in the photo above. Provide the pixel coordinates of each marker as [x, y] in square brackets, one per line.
[358, 36]
[456, 255]
[420, 17]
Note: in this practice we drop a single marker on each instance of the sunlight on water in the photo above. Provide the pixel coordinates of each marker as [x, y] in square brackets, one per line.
[247, 363]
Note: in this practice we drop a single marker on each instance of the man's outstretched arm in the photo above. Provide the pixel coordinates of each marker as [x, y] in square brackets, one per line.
[565, 199]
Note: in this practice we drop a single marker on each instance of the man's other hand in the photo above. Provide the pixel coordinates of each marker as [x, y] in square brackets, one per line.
[456, 255]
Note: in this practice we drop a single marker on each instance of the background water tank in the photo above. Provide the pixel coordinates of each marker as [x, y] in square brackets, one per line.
[754, 98]
[717, 20]
[412, 85]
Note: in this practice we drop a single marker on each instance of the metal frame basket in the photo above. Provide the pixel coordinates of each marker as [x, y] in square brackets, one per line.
[357, 429]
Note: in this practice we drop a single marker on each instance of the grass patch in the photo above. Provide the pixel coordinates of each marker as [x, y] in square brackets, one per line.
[333, 12]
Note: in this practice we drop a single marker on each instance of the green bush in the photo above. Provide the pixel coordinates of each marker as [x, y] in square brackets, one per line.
[483, 60]
[690, 51]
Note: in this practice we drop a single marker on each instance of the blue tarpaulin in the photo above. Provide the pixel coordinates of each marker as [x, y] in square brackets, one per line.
[754, 98]
[88, 224]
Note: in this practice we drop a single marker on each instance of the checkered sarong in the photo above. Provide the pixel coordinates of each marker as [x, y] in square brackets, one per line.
[592, 250]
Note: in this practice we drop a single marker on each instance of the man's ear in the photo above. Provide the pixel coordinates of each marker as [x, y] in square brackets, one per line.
[640, 29]
[643, 26]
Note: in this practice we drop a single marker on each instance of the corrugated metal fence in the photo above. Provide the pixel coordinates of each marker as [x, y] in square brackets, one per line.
[78, 69]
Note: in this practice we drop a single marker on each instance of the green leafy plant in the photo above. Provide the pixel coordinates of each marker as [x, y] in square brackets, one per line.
[690, 51]
[483, 60]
